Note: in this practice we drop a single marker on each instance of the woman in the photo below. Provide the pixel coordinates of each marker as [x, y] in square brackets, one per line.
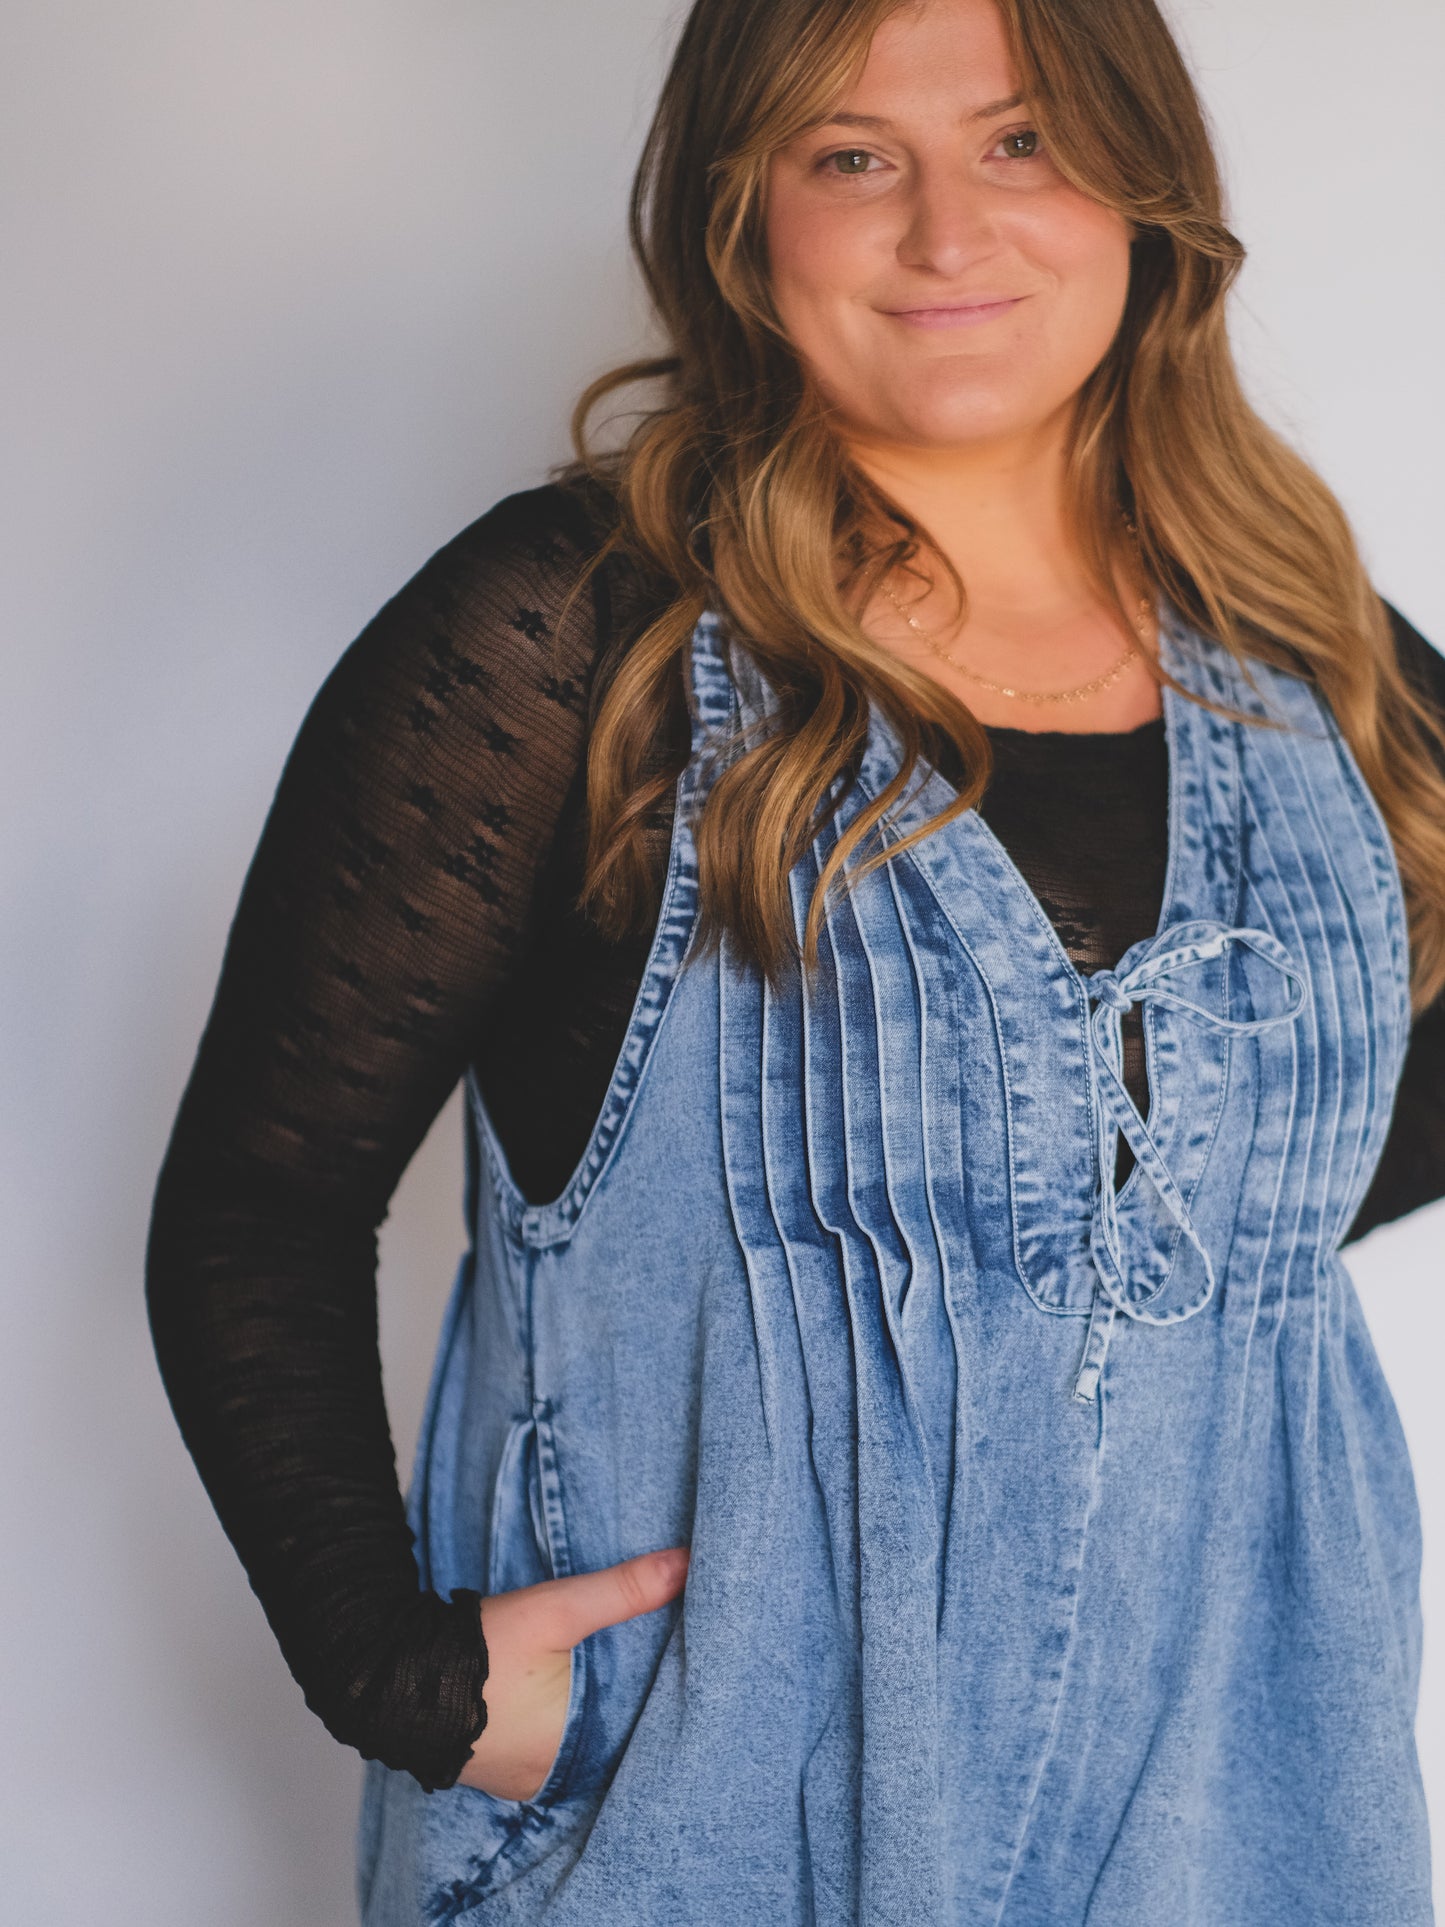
[931, 861]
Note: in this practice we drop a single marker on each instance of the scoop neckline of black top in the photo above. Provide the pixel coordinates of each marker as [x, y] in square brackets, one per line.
[1151, 727]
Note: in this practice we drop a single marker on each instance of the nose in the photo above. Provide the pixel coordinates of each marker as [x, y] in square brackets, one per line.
[949, 224]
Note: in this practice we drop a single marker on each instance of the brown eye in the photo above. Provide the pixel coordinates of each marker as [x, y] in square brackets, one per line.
[850, 160]
[1027, 135]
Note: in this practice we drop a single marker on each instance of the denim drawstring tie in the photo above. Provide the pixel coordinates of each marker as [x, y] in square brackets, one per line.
[1112, 993]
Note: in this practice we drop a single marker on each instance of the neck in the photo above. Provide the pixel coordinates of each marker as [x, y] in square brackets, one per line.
[998, 511]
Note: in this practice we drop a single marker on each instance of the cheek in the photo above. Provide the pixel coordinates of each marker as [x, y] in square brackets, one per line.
[815, 264]
[1086, 248]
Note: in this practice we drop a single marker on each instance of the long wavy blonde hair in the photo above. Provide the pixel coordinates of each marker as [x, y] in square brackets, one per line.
[732, 488]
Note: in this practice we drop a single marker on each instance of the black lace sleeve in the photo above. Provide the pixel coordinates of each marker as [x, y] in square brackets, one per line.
[1412, 1165]
[387, 903]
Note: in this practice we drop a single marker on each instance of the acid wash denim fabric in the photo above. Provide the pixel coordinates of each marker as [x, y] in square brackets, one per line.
[1055, 1556]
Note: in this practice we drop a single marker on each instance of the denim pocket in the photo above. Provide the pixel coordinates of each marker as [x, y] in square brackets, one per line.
[514, 1815]
[529, 1544]
[478, 1842]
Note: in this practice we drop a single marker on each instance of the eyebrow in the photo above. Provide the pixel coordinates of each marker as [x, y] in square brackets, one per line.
[986, 112]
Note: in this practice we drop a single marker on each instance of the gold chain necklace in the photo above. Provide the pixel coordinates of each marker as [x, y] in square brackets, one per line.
[1080, 692]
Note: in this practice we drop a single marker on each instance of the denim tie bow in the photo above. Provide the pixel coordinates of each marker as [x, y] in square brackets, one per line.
[1112, 992]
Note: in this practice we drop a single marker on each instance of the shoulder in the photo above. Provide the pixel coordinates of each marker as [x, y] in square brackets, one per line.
[480, 638]
[1422, 663]
[496, 638]
[537, 538]
[505, 583]
[551, 523]
[495, 601]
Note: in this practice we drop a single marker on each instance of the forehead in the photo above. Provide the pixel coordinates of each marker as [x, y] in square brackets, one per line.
[933, 59]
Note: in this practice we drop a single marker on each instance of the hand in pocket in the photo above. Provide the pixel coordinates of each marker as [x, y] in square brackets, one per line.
[530, 1634]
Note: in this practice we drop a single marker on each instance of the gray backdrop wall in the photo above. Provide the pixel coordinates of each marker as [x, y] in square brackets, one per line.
[292, 293]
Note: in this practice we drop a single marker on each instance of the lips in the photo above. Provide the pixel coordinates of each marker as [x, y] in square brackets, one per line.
[957, 314]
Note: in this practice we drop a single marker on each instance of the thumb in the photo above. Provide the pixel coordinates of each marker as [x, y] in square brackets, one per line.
[584, 1601]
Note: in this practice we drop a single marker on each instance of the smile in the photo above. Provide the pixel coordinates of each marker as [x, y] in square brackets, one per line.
[964, 315]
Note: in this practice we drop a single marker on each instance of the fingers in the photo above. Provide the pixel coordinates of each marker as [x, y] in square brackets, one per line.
[567, 1610]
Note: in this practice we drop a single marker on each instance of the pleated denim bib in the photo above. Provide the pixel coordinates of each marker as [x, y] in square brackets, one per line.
[1055, 1552]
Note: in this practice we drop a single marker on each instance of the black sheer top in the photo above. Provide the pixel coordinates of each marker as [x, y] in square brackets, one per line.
[411, 910]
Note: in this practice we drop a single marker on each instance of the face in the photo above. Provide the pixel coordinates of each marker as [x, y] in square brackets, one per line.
[941, 279]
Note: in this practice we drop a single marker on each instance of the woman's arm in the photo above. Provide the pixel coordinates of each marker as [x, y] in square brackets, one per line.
[1412, 1165]
[388, 901]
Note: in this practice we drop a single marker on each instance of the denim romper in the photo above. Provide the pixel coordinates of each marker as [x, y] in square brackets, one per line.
[1055, 1553]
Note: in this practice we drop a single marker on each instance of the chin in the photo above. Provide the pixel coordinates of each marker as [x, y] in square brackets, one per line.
[978, 413]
